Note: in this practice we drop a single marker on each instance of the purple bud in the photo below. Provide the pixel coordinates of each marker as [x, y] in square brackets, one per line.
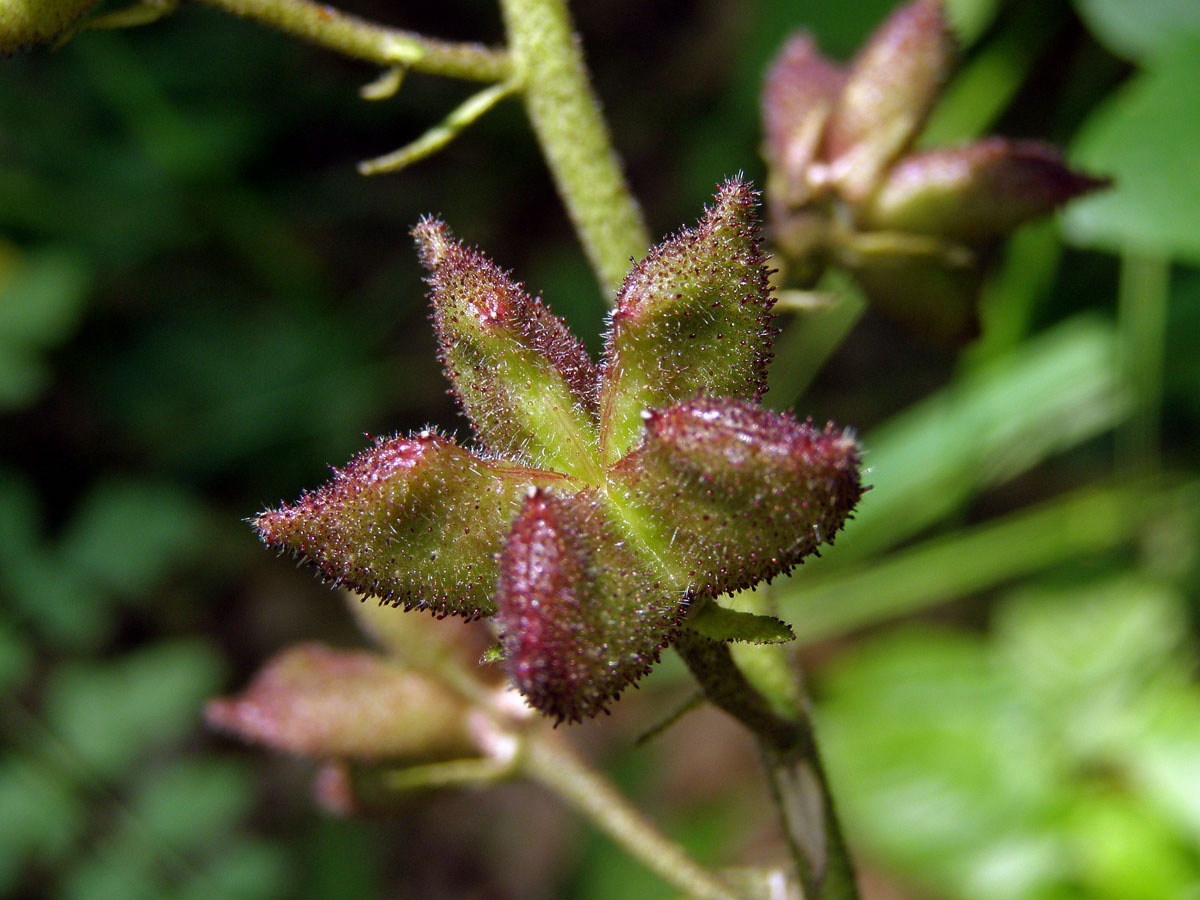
[980, 191]
[799, 94]
[317, 701]
[892, 85]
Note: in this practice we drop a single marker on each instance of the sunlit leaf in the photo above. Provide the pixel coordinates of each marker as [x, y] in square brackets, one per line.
[1147, 137]
[1139, 29]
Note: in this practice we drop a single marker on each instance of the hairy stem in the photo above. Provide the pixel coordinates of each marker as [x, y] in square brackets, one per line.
[547, 759]
[440, 135]
[369, 41]
[793, 766]
[566, 117]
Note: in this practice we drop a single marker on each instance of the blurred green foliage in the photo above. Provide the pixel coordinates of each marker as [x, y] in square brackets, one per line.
[202, 306]
[1056, 760]
[1147, 134]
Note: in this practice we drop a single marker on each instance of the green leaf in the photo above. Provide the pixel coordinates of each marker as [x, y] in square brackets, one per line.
[970, 560]
[1024, 766]
[718, 623]
[41, 817]
[68, 609]
[691, 319]
[955, 785]
[526, 383]
[1091, 656]
[42, 297]
[116, 868]
[492, 654]
[16, 658]
[127, 535]
[247, 869]
[971, 18]
[990, 425]
[41, 302]
[1126, 852]
[1147, 137]
[414, 521]
[1110, 639]
[1139, 29]
[1164, 760]
[110, 715]
[192, 804]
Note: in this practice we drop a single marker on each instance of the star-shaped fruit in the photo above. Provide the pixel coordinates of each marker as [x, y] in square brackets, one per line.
[603, 510]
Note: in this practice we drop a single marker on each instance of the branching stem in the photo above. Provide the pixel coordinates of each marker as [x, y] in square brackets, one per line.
[439, 136]
[326, 26]
[565, 115]
[544, 62]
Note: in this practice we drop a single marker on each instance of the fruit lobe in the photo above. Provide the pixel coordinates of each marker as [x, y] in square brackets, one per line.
[738, 492]
[692, 317]
[525, 382]
[580, 613]
[414, 521]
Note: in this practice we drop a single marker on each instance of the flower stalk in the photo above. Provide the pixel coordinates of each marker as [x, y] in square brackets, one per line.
[565, 114]
[372, 42]
[544, 63]
[793, 767]
[548, 759]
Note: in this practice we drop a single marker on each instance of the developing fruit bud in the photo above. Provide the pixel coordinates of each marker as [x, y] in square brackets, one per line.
[914, 230]
[414, 521]
[317, 701]
[581, 613]
[525, 382]
[741, 493]
[25, 22]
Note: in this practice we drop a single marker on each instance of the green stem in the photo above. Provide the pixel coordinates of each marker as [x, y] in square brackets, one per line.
[442, 134]
[812, 337]
[546, 758]
[455, 773]
[565, 115]
[374, 43]
[793, 766]
[1142, 322]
